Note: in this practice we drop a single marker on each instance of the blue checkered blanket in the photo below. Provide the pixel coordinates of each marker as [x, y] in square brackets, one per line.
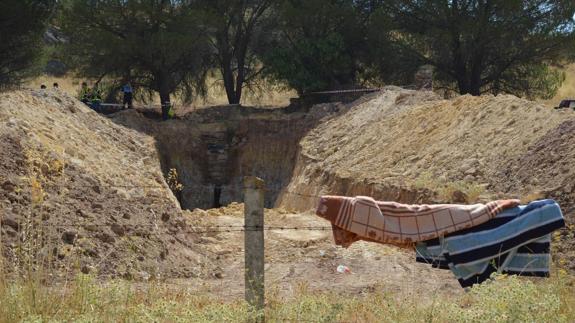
[515, 242]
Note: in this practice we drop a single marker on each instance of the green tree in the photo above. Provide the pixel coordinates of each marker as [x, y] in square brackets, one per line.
[22, 25]
[487, 45]
[157, 44]
[319, 45]
[239, 31]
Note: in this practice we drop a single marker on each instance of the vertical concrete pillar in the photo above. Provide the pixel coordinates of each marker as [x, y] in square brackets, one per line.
[254, 245]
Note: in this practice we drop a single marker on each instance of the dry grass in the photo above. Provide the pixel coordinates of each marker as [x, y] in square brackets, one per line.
[567, 90]
[267, 96]
[504, 299]
[450, 191]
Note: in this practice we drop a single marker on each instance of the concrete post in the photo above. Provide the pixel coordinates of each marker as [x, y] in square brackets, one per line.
[254, 245]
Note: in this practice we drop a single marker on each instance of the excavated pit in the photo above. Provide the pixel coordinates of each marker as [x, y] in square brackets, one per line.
[212, 149]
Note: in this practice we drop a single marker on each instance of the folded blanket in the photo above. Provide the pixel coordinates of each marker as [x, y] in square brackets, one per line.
[517, 242]
[363, 218]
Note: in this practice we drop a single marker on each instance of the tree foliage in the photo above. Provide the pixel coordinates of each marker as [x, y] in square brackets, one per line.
[157, 44]
[22, 25]
[318, 45]
[239, 31]
[487, 45]
[475, 46]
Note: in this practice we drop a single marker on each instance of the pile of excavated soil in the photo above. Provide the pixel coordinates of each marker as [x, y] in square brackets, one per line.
[409, 138]
[413, 147]
[546, 168]
[79, 191]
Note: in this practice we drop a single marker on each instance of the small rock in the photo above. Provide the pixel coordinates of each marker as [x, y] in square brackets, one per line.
[106, 237]
[91, 253]
[82, 213]
[86, 269]
[218, 275]
[118, 229]
[8, 221]
[11, 232]
[459, 197]
[91, 228]
[69, 237]
[126, 216]
[165, 217]
[471, 171]
[97, 206]
[9, 186]
[141, 258]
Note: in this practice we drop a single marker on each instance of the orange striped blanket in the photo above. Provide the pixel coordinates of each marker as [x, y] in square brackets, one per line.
[363, 218]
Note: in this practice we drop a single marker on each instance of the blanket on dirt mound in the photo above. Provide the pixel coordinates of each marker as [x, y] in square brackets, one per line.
[516, 242]
[363, 218]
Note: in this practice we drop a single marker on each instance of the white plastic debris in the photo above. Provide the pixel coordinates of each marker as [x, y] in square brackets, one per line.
[343, 269]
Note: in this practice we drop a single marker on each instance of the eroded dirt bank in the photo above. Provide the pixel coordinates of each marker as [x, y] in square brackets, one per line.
[78, 192]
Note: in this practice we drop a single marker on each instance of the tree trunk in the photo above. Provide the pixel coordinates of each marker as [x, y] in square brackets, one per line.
[229, 82]
[240, 78]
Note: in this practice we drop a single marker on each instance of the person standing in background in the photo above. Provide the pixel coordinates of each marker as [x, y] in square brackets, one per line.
[85, 94]
[96, 98]
[128, 95]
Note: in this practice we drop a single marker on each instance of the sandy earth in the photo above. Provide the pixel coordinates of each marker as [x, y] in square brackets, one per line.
[297, 259]
[403, 135]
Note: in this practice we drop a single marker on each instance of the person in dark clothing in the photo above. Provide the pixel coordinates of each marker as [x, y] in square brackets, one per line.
[96, 99]
[128, 95]
[42, 87]
[85, 94]
[55, 85]
[166, 106]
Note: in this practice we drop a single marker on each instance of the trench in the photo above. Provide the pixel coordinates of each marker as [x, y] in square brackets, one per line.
[214, 148]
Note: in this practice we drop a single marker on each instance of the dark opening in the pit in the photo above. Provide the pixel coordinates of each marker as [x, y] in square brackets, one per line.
[217, 195]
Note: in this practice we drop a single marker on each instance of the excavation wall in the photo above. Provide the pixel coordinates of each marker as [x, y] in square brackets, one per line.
[214, 148]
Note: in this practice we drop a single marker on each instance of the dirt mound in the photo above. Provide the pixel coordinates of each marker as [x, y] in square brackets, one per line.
[415, 141]
[84, 192]
[412, 147]
[546, 167]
